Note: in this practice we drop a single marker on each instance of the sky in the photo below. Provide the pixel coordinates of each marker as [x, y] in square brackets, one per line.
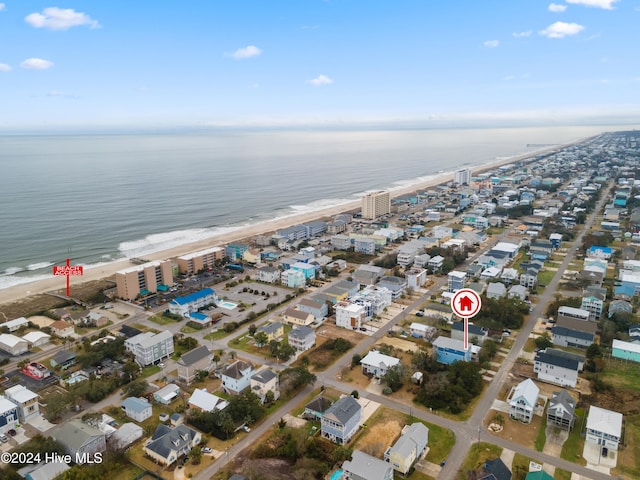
[200, 63]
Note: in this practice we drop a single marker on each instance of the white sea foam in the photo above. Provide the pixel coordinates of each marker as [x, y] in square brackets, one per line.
[165, 241]
[12, 270]
[13, 280]
[39, 266]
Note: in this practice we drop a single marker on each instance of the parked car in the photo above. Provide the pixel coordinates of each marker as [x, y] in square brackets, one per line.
[245, 429]
[12, 432]
[3, 438]
[207, 450]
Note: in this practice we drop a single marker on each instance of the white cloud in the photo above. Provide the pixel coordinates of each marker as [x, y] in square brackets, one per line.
[36, 64]
[2, 6]
[561, 30]
[320, 80]
[606, 4]
[555, 8]
[491, 43]
[246, 52]
[4, 67]
[56, 18]
[522, 34]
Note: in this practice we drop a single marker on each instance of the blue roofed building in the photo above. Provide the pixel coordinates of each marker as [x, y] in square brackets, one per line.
[138, 409]
[600, 252]
[449, 350]
[192, 303]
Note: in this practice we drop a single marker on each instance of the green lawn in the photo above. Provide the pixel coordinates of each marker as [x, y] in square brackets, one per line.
[628, 464]
[541, 438]
[216, 335]
[187, 329]
[150, 370]
[478, 454]
[573, 447]
[441, 441]
[560, 474]
[545, 277]
[162, 320]
[520, 465]
[139, 326]
[621, 374]
[530, 345]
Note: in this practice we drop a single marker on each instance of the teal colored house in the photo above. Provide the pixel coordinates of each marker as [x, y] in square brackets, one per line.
[626, 350]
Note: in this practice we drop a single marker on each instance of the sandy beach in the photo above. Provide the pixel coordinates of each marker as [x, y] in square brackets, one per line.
[20, 292]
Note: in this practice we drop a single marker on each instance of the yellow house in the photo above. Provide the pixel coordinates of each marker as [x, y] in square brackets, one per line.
[409, 447]
[297, 317]
[274, 331]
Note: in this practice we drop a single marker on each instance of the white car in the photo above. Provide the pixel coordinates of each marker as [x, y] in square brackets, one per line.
[245, 429]
[161, 365]
[207, 450]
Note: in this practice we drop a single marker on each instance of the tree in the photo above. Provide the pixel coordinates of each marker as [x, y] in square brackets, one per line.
[355, 360]
[544, 341]
[135, 388]
[196, 455]
[252, 329]
[260, 339]
[355, 394]
[394, 378]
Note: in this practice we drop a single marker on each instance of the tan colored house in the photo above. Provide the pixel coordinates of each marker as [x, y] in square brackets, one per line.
[293, 316]
[251, 256]
[265, 381]
[273, 331]
[62, 329]
[198, 359]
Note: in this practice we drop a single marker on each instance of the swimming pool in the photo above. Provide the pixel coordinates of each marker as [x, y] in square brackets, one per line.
[337, 475]
[227, 305]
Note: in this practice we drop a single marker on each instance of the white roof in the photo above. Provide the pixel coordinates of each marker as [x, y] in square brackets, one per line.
[527, 390]
[149, 339]
[419, 326]
[200, 253]
[141, 268]
[507, 247]
[604, 421]
[168, 392]
[446, 342]
[20, 393]
[206, 401]
[491, 271]
[6, 405]
[376, 359]
[631, 278]
[628, 346]
[15, 323]
[458, 274]
[32, 337]
[573, 311]
[10, 340]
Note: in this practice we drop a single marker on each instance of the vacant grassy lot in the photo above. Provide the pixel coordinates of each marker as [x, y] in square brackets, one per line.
[629, 456]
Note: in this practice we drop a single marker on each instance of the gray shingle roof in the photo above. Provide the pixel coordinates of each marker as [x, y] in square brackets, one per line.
[235, 369]
[166, 439]
[194, 356]
[344, 409]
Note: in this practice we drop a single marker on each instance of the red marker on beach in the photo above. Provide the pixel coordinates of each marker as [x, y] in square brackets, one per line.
[68, 270]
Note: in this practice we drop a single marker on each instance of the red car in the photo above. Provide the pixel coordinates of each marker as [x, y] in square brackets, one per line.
[11, 432]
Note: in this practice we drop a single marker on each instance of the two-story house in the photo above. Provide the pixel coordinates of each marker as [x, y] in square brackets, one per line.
[604, 427]
[302, 338]
[149, 347]
[236, 377]
[80, 440]
[265, 381]
[8, 415]
[523, 400]
[340, 422]
[138, 409]
[273, 331]
[408, 448]
[167, 444]
[26, 400]
[561, 410]
[377, 364]
[557, 368]
[363, 466]
[293, 316]
[198, 359]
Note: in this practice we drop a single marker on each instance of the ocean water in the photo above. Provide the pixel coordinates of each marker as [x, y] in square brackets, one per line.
[100, 198]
